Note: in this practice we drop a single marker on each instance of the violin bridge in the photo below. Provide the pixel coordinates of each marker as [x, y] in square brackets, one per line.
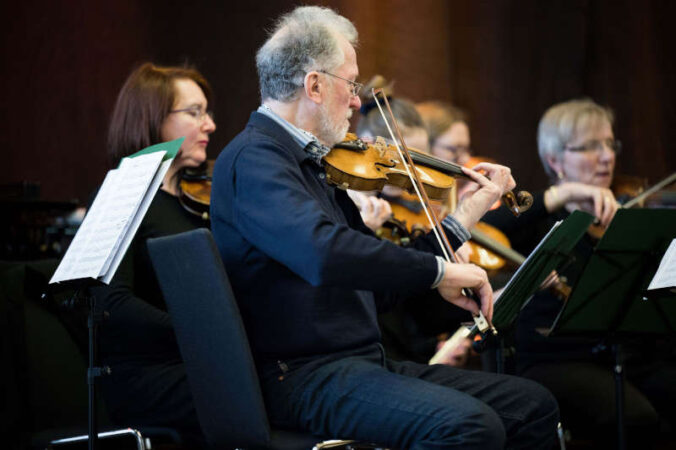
[380, 145]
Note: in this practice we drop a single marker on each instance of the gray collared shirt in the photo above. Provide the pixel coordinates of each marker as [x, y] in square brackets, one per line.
[305, 139]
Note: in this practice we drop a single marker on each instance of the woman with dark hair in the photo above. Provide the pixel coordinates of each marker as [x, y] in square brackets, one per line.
[148, 385]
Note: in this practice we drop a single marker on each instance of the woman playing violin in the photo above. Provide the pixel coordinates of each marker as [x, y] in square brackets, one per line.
[578, 148]
[148, 385]
[448, 131]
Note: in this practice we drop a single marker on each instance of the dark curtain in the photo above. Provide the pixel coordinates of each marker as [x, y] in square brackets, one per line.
[504, 61]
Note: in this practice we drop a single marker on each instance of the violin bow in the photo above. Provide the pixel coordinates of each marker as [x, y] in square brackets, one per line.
[449, 255]
[656, 187]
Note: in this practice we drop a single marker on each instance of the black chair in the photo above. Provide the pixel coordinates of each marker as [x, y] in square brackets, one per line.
[214, 346]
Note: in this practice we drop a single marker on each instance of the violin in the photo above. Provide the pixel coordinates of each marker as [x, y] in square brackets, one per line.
[194, 189]
[597, 231]
[489, 248]
[355, 164]
[649, 191]
[378, 164]
[404, 158]
[627, 187]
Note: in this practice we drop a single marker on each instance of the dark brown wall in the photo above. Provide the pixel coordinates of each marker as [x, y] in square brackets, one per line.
[505, 61]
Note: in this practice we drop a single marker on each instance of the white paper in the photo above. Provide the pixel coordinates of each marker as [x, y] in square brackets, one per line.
[98, 240]
[665, 277]
[136, 220]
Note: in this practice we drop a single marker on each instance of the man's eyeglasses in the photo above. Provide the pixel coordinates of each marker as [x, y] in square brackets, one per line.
[195, 112]
[596, 146]
[354, 86]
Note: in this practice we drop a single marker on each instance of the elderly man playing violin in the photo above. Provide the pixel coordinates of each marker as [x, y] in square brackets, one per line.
[310, 277]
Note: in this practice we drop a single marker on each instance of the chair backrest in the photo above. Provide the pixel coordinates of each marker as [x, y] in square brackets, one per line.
[211, 338]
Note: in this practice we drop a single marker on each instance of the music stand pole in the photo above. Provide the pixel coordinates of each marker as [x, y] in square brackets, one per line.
[618, 373]
[94, 318]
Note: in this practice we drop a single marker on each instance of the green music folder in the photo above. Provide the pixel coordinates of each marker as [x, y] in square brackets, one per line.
[550, 254]
[610, 297]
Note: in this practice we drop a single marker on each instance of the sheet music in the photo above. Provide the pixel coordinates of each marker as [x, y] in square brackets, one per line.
[98, 239]
[136, 220]
[665, 277]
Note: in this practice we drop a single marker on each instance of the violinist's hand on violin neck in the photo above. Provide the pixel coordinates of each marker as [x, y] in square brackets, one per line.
[595, 200]
[460, 276]
[484, 191]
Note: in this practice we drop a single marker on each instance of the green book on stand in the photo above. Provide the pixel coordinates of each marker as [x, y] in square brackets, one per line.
[551, 253]
[611, 297]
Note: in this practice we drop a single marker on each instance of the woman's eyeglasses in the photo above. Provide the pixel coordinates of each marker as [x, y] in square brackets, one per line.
[195, 112]
[596, 146]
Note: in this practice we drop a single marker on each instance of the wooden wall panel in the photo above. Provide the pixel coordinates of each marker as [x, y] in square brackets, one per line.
[504, 61]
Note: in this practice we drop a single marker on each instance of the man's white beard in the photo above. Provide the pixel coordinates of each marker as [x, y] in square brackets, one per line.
[331, 133]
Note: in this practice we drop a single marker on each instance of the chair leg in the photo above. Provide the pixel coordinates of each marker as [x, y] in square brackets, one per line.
[135, 435]
[345, 444]
[333, 443]
[562, 437]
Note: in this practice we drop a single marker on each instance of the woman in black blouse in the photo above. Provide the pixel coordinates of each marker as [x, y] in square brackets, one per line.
[577, 148]
[148, 385]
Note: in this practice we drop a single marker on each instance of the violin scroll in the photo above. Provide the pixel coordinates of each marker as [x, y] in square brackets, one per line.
[518, 203]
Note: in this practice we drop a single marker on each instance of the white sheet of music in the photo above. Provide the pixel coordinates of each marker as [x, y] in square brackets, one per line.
[136, 221]
[665, 277]
[99, 238]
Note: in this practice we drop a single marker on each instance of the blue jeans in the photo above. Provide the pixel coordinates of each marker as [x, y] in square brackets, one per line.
[361, 395]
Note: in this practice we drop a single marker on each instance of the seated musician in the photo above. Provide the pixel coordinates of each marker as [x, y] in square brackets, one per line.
[310, 277]
[578, 148]
[148, 384]
[447, 130]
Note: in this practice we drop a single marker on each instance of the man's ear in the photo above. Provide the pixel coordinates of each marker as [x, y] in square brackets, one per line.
[313, 86]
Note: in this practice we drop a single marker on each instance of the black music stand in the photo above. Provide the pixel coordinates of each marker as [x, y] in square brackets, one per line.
[553, 252]
[78, 275]
[610, 300]
[82, 296]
